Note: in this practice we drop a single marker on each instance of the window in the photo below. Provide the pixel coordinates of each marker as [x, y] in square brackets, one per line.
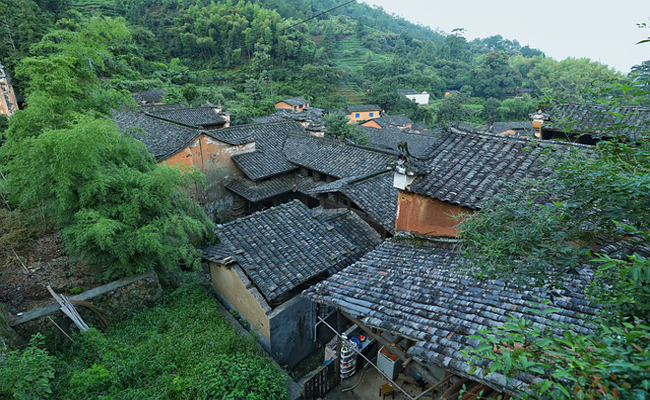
[372, 114]
[357, 115]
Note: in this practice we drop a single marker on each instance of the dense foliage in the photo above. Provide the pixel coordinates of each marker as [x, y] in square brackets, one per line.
[67, 162]
[543, 232]
[182, 349]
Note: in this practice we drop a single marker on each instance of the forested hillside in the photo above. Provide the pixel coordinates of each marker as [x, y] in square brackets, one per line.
[222, 51]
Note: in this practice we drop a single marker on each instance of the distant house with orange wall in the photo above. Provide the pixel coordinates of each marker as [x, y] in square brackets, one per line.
[296, 104]
[465, 170]
[389, 121]
[363, 112]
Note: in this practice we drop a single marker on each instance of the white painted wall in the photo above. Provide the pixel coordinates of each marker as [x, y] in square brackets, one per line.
[420, 98]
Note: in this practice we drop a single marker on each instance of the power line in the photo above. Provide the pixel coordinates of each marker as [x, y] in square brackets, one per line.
[318, 15]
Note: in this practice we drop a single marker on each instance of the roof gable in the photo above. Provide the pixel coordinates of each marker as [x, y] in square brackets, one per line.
[283, 247]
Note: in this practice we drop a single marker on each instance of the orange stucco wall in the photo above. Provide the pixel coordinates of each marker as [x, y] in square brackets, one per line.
[363, 115]
[426, 216]
[372, 124]
[285, 106]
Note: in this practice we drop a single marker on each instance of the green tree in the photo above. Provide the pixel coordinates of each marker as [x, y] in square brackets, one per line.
[451, 110]
[337, 127]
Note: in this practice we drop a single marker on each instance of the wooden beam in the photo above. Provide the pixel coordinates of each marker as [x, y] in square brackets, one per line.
[399, 353]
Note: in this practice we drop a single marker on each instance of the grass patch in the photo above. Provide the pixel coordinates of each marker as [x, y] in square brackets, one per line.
[182, 349]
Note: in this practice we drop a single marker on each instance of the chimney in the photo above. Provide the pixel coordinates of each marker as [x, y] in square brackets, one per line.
[538, 121]
[406, 169]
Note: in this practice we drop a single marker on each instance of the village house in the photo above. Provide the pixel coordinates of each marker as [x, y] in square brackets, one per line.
[422, 303]
[371, 196]
[362, 113]
[264, 261]
[389, 121]
[461, 172]
[297, 164]
[451, 92]
[8, 102]
[515, 128]
[311, 119]
[149, 97]
[295, 104]
[417, 298]
[421, 98]
[588, 124]
[175, 137]
[418, 127]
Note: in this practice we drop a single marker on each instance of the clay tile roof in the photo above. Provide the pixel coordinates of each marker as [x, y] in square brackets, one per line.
[258, 191]
[198, 117]
[631, 122]
[161, 138]
[388, 139]
[283, 247]
[407, 91]
[467, 168]
[149, 96]
[362, 108]
[268, 158]
[335, 158]
[374, 194]
[295, 101]
[427, 294]
[393, 120]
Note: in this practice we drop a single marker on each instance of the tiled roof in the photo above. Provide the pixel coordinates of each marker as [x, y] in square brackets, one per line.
[161, 138]
[470, 168]
[265, 189]
[365, 107]
[374, 194]
[314, 115]
[159, 107]
[217, 252]
[351, 226]
[295, 101]
[149, 96]
[419, 126]
[428, 295]
[196, 117]
[388, 139]
[522, 129]
[285, 246]
[632, 122]
[268, 158]
[393, 120]
[335, 158]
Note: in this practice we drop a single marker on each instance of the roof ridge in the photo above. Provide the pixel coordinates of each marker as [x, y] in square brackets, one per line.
[262, 212]
[344, 143]
[457, 131]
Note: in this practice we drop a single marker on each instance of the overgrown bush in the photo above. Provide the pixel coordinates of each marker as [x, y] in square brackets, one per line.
[27, 374]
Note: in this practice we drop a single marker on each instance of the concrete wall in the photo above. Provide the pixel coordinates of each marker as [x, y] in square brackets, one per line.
[363, 115]
[292, 331]
[117, 300]
[240, 294]
[427, 216]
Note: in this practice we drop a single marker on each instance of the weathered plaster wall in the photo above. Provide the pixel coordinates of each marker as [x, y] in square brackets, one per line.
[292, 331]
[117, 300]
[372, 124]
[233, 285]
[426, 216]
[213, 158]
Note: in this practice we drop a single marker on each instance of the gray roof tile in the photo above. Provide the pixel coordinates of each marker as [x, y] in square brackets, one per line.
[199, 117]
[335, 158]
[161, 138]
[284, 247]
[261, 190]
[631, 122]
[429, 295]
[469, 168]
[388, 139]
